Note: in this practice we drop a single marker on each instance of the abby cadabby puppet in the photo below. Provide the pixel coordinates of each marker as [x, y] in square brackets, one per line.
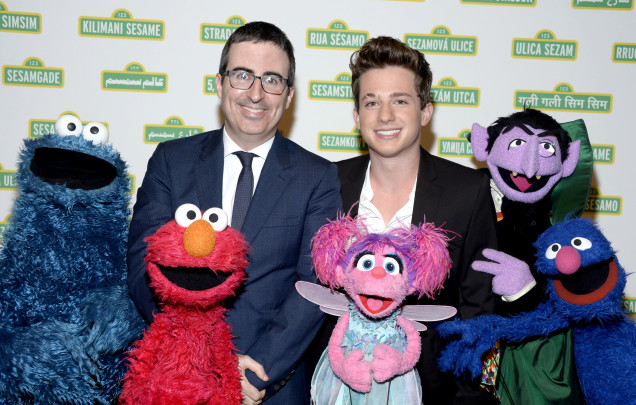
[375, 344]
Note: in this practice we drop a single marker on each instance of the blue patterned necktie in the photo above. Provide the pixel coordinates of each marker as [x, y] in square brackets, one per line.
[244, 189]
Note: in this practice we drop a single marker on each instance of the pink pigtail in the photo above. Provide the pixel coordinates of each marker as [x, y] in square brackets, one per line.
[431, 262]
[329, 248]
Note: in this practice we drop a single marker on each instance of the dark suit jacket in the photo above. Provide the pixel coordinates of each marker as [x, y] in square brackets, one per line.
[297, 191]
[457, 199]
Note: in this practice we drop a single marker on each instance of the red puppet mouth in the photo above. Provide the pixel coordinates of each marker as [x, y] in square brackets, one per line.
[589, 285]
[375, 304]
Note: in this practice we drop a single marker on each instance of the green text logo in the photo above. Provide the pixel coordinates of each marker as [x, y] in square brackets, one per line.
[131, 183]
[3, 227]
[32, 73]
[526, 3]
[173, 128]
[455, 147]
[603, 204]
[448, 93]
[336, 36]
[624, 53]
[629, 304]
[209, 84]
[342, 142]
[604, 4]
[563, 98]
[603, 154]
[121, 25]
[440, 41]
[12, 21]
[336, 90]
[544, 46]
[134, 78]
[7, 179]
[219, 33]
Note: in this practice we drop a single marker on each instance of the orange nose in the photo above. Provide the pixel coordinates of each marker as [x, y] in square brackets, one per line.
[199, 238]
[378, 272]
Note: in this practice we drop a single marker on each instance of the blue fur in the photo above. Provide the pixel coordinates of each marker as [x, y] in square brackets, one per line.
[65, 316]
[604, 338]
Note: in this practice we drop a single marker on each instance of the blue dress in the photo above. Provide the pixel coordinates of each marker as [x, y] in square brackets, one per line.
[365, 333]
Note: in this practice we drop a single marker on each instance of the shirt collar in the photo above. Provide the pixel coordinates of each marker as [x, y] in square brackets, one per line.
[229, 146]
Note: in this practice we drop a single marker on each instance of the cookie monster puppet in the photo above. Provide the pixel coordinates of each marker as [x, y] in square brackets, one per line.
[540, 170]
[195, 263]
[585, 288]
[375, 344]
[65, 315]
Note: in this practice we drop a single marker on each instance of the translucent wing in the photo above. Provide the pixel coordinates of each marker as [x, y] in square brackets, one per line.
[427, 313]
[330, 302]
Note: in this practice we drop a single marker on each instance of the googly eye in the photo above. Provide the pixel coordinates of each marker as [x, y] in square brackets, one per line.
[516, 143]
[187, 214]
[96, 132]
[552, 250]
[68, 125]
[366, 262]
[217, 217]
[580, 243]
[546, 149]
[392, 265]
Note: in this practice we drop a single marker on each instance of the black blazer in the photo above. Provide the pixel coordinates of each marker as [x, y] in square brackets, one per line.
[455, 198]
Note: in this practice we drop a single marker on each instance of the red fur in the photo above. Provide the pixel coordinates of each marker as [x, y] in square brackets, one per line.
[187, 355]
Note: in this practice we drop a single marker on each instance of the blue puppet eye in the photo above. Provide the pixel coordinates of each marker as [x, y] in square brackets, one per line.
[366, 262]
[392, 265]
[516, 143]
[552, 251]
[580, 243]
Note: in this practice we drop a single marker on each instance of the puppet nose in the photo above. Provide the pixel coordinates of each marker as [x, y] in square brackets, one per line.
[199, 238]
[530, 163]
[378, 272]
[568, 260]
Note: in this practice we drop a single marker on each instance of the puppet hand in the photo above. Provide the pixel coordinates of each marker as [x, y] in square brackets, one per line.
[387, 362]
[512, 276]
[356, 372]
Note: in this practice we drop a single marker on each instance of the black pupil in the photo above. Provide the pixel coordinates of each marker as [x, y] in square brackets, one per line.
[390, 267]
[71, 127]
[191, 215]
[555, 248]
[367, 264]
[577, 242]
[94, 130]
[213, 218]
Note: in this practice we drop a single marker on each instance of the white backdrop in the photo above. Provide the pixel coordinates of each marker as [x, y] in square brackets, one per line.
[576, 56]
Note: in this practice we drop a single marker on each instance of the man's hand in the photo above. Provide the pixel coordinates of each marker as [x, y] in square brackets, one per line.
[251, 395]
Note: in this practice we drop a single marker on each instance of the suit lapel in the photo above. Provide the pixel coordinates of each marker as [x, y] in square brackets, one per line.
[271, 185]
[209, 172]
[427, 193]
[351, 184]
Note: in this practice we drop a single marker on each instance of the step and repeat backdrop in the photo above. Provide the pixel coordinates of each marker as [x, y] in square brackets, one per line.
[146, 70]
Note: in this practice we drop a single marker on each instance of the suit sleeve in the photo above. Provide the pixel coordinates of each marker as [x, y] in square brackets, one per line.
[283, 346]
[152, 209]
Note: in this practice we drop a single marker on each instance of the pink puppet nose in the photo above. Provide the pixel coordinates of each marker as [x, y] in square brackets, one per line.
[378, 272]
[568, 260]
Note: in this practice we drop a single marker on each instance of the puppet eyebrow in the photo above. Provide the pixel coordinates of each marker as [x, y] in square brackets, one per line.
[359, 256]
[523, 127]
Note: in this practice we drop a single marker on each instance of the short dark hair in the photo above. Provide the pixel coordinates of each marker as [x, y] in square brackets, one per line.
[381, 52]
[534, 118]
[260, 31]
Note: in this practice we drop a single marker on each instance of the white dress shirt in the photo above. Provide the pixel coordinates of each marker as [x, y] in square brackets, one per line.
[232, 169]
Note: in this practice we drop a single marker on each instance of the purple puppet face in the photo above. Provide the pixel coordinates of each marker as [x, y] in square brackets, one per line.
[524, 166]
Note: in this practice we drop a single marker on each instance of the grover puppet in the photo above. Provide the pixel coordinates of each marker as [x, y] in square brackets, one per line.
[65, 315]
[195, 263]
[585, 287]
[540, 170]
[374, 346]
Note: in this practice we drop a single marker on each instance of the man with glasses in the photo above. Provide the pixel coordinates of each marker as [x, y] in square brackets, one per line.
[276, 193]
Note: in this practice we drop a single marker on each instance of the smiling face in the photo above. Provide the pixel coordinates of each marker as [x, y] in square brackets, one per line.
[390, 116]
[377, 281]
[252, 116]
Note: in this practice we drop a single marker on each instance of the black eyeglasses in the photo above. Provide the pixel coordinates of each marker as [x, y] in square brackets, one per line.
[242, 80]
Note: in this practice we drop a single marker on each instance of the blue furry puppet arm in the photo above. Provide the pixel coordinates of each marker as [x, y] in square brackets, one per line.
[65, 316]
